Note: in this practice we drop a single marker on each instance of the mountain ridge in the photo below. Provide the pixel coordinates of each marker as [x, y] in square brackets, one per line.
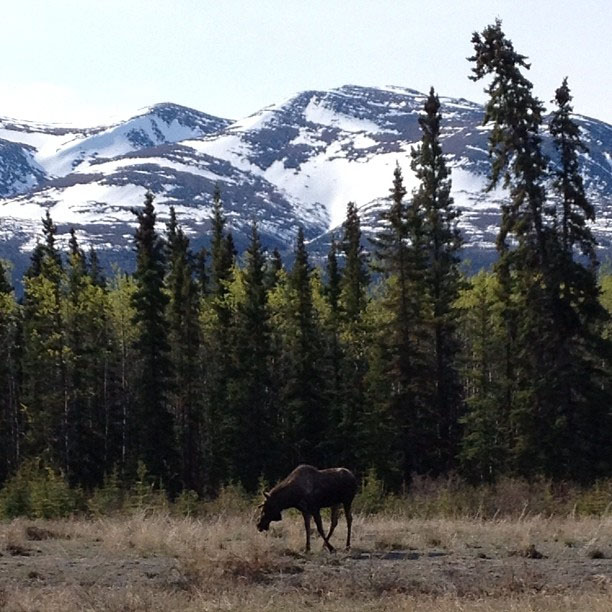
[294, 163]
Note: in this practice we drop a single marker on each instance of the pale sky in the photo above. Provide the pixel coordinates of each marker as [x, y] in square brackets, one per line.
[83, 61]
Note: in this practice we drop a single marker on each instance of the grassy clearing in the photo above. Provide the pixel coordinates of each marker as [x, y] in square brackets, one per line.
[158, 561]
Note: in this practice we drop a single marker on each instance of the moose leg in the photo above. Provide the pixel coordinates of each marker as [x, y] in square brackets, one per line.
[334, 520]
[349, 522]
[317, 517]
[307, 525]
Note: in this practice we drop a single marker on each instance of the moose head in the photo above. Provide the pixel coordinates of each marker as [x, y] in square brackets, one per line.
[270, 511]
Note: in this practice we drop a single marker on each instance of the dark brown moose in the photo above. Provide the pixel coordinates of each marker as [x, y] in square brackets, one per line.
[309, 489]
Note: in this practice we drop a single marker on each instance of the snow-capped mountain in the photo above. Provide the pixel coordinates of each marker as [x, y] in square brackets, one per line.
[296, 163]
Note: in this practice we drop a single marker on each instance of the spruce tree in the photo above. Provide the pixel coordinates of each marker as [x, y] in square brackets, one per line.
[184, 337]
[352, 362]
[218, 426]
[307, 418]
[92, 412]
[523, 271]
[153, 420]
[581, 450]
[45, 392]
[334, 355]
[250, 387]
[541, 330]
[5, 285]
[400, 259]
[95, 269]
[355, 277]
[437, 236]
[11, 426]
[486, 442]
[274, 265]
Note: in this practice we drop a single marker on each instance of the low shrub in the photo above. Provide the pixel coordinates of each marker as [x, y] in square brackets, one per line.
[38, 491]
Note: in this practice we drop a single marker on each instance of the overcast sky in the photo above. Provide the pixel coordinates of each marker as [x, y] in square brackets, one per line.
[83, 61]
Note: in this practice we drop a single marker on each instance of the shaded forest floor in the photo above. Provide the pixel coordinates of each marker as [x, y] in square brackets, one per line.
[159, 562]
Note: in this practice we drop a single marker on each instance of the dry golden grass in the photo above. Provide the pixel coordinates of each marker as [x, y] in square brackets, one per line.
[160, 562]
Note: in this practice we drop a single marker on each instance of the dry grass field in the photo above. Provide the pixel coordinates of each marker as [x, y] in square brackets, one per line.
[156, 561]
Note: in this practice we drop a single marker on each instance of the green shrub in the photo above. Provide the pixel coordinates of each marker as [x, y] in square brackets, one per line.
[187, 503]
[596, 500]
[144, 495]
[232, 499]
[370, 499]
[38, 491]
[107, 499]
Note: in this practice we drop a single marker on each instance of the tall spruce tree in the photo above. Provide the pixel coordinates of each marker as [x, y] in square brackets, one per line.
[438, 237]
[334, 355]
[184, 337]
[45, 391]
[307, 414]
[486, 441]
[353, 302]
[153, 420]
[92, 416]
[11, 426]
[355, 277]
[396, 251]
[581, 451]
[250, 388]
[528, 268]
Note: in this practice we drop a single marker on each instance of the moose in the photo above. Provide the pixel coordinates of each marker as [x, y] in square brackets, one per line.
[309, 489]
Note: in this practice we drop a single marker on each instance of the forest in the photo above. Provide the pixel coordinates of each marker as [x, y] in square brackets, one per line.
[214, 367]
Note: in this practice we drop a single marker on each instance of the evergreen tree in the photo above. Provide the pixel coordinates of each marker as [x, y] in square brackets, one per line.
[11, 427]
[542, 330]
[95, 269]
[581, 450]
[355, 278]
[380, 432]
[45, 390]
[184, 336]
[274, 265]
[438, 237]
[400, 257]
[217, 427]
[515, 115]
[201, 272]
[306, 417]
[333, 357]
[5, 285]
[49, 232]
[121, 439]
[154, 423]
[351, 357]
[222, 249]
[79, 446]
[575, 210]
[91, 412]
[523, 268]
[485, 442]
[250, 387]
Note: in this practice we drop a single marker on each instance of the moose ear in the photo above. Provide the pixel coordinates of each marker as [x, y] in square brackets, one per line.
[267, 494]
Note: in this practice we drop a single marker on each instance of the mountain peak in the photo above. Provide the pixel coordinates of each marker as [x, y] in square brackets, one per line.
[294, 163]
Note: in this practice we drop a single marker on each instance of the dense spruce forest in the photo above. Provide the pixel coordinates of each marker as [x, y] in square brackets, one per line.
[215, 367]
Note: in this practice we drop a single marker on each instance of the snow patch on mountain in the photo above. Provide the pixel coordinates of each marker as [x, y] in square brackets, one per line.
[318, 112]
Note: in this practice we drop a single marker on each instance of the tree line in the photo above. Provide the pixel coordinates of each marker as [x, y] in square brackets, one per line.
[209, 368]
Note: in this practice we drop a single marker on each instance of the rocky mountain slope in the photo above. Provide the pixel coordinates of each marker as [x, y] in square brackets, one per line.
[295, 163]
